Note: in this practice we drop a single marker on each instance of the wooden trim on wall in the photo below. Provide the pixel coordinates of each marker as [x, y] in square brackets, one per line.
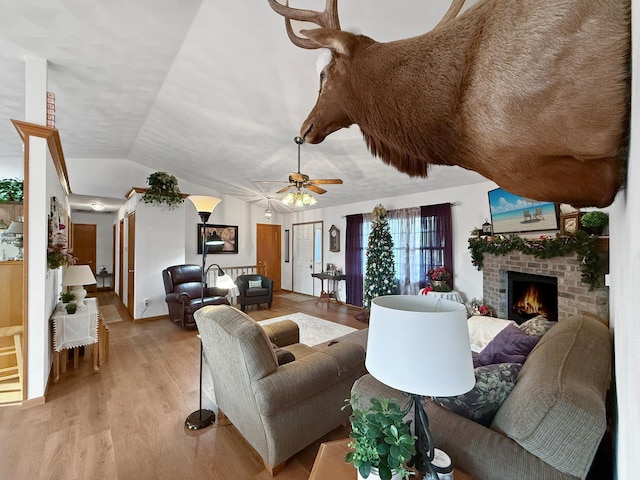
[52, 136]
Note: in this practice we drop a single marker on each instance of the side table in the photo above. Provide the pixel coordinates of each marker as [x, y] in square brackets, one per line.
[330, 464]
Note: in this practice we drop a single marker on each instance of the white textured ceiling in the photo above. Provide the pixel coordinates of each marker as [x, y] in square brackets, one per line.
[211, 91]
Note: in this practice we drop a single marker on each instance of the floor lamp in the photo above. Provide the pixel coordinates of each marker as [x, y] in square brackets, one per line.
[420, 345]
[204, 205]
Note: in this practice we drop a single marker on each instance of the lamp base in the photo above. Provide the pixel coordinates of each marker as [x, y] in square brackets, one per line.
[79, 295]
[200, 419]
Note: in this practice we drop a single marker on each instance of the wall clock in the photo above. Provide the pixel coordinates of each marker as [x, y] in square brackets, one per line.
[334, 239]
[570, 223]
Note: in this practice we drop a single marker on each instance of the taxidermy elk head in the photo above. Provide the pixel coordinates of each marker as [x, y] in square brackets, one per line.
[532, 94]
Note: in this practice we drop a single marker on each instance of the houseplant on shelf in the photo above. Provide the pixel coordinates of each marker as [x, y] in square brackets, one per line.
[67, 297]
[382, 441]
[11, 190]
[594, 221]
[163, 190]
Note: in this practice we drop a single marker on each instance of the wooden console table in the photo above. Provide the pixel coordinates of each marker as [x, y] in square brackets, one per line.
[329, 294]
[330, 463]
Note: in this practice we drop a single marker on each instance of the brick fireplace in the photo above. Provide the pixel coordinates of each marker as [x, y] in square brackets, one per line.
[573, 295]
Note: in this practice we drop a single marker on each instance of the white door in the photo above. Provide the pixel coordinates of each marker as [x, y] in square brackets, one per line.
[303, 258]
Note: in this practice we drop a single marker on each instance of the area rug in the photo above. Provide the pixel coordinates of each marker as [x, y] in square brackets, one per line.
[313, 330]
[110, 314]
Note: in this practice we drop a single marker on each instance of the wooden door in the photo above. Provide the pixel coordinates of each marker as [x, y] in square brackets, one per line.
[121, 259]
[84, 248]
[269, 252]
[131, 255]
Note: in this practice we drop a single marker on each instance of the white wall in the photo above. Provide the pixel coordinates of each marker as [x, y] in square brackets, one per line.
[625, 287]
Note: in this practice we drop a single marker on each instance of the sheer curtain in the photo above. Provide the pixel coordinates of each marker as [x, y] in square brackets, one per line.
[354, 253]
[405, 231]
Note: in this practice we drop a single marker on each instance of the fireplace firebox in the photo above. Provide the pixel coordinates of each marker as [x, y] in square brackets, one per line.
[531, 295]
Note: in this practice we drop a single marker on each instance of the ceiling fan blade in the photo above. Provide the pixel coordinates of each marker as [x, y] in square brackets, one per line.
[325, 181]
[315, 189]
[284, 189]
[297, 177]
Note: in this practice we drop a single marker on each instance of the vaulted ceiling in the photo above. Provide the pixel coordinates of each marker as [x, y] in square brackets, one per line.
[211, 91]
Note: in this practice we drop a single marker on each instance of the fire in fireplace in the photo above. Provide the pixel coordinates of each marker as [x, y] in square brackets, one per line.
[532, 295]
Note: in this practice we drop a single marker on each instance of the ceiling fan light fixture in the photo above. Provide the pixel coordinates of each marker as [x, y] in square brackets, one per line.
[288, 199]
[267, 213]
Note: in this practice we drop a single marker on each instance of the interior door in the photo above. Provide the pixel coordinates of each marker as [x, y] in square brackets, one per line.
[131, 255]
[269, 252]
[84, 248]
[121, 259]
[303, 258]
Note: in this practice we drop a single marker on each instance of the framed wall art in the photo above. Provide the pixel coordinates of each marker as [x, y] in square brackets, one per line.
[228, 234]
[514, 214]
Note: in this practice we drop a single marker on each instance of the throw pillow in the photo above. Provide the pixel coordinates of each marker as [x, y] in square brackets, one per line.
[255, 283]
[537, 326]
[483, 329]
[493, 385]
[510, 345]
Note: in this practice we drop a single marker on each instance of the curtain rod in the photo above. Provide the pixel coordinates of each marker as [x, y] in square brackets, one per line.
[457, 203]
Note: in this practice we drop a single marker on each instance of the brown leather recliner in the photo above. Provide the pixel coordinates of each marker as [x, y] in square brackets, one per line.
[183, 286]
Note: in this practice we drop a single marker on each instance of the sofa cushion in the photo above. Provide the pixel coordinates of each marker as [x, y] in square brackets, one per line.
[557, 411]
[537, 326]
[256, 292]
[510, 345]
[255, 283]
[480, 404]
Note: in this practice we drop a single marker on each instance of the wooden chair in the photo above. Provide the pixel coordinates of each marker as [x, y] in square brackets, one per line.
[11, 375]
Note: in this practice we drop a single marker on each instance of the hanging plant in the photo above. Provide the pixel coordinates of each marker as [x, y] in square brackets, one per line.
[580, 243]
[163, 190]
[11, 190]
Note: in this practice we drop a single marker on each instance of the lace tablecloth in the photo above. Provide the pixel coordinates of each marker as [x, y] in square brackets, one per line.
[76, 330]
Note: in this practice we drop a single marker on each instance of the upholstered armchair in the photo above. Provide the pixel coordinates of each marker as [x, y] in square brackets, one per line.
[252, 292]
[183, 288]
[278, 409]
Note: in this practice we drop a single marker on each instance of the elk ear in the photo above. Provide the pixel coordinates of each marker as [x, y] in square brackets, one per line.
[335, 40]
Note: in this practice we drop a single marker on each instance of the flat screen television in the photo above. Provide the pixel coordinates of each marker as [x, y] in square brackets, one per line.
[514, 214]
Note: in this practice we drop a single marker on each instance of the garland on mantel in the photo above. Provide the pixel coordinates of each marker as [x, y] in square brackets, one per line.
[583, 244]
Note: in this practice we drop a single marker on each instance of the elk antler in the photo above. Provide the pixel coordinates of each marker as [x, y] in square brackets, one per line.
[454, 9]
[328, 19]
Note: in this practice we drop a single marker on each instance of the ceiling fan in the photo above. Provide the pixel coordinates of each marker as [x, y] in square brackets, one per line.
[299, 180]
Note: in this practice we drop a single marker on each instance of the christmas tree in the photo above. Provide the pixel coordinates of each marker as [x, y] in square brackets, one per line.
[380, 276]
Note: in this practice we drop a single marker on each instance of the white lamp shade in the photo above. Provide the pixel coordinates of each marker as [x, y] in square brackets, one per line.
[225, 281]
[204, 203]
[420, 345]
[78, 275]
[15, 228]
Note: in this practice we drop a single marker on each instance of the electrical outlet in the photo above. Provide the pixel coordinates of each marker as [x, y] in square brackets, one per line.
[146, 302]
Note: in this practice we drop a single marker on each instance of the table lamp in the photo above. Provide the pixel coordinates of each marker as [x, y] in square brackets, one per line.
[77, 276]
[420, 345]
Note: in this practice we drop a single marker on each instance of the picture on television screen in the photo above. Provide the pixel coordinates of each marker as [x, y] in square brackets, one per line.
[512, 214]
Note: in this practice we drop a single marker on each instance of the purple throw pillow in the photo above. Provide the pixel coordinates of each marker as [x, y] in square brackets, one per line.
[511, 345]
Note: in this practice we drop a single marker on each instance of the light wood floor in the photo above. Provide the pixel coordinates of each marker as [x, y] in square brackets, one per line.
[127, 421]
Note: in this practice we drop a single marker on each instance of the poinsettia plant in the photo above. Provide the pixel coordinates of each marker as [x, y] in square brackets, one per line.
[479, 308]
[439, 274]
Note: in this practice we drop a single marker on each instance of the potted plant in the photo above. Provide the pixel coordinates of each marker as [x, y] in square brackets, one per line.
[479, 308]
[382, 441]
[163, 190]
[439, 278]
[71, 308]
[594, 221]
[67, 297]
[11, 190]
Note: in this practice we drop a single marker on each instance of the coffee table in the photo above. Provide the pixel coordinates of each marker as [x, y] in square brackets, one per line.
[330, 463]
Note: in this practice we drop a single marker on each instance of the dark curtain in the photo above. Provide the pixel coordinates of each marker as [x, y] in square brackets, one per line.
[437, 241]
[354, 251]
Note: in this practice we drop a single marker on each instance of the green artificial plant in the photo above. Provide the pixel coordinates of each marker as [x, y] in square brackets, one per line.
[595, 221]
[163, 190]
[381, 438]
[67, 297]
[11, 190]
[71, 308]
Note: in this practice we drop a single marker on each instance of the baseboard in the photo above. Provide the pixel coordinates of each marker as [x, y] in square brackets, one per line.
[151, 319]
[33, 402]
